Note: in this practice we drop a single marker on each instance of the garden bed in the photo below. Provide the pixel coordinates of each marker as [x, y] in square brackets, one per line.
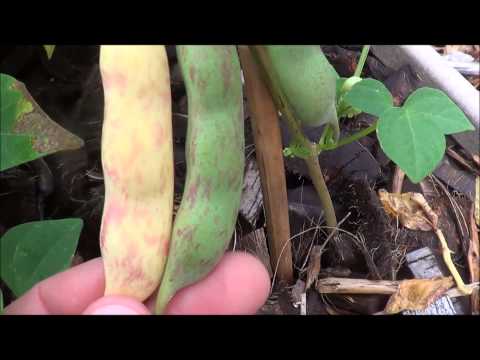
[371, 245]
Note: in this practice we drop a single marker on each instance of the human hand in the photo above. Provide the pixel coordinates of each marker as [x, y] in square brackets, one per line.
[239, 284]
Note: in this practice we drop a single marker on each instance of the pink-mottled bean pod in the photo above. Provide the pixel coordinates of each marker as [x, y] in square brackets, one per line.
[137, 160]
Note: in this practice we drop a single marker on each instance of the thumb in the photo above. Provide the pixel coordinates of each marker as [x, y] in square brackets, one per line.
[116, 305]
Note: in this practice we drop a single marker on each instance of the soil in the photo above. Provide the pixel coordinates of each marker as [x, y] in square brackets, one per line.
[70, 184]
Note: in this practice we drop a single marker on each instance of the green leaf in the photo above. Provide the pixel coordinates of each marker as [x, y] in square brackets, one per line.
[15, 150]
[26, 132]
[412, 141]
[370, 96]
[34, 251]
[440, 108]
[413, 136]
[49, 50]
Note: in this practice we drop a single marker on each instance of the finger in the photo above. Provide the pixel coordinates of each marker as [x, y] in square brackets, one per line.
[69, 292]
[116, 305]
[239, 284]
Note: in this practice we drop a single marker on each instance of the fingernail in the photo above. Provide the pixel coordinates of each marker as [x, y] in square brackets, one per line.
[114, 310]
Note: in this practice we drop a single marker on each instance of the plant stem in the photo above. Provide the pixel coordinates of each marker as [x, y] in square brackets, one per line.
[447, 257]
[361, 61]
[294, 128]
[349, 139]
[321, 187]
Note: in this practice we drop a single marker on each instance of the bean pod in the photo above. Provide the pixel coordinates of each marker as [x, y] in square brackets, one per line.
[206, 219]
[307, 80]
[137, 160]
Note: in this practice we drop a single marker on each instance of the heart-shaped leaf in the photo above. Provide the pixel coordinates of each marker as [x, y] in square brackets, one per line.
[33, 251]
[439, 108]
[370, 96]
[413, 136]
[26, 132]
[412, 141]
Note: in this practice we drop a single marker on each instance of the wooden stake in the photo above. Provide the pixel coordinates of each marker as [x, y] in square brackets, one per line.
[362, 286]
[269, 154]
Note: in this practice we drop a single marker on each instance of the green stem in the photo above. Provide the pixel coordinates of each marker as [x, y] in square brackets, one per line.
[361, 61]
[322, 190]
[295, 129]
[349, 139]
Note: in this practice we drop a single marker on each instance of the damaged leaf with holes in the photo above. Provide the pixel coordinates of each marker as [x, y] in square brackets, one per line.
[26, 131]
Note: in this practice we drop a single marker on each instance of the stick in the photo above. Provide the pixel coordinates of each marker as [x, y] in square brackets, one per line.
[268, 145]
[398, 178]
[335, 285]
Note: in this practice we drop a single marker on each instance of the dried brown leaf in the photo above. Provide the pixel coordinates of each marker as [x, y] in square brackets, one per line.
[411, 209]
[417, 294]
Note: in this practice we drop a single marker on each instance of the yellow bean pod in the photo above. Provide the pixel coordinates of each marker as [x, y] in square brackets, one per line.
[137, 161]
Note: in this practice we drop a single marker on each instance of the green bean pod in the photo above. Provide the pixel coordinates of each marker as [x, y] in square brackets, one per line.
[206, 219]
[307, 80]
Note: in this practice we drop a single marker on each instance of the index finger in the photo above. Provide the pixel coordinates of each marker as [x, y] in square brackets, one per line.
[66, 293]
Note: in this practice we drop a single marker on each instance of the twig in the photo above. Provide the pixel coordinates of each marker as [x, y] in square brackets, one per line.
[398, 178]
[300, 234]
[362, 245]
[268, 144]
[314, 266]
[334, 285]
[462, 161]
[455, 207]
[302, 268]
[334, 232]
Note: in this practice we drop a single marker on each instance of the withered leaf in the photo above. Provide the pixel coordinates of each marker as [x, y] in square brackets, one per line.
[417, 294]
[411, 209]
